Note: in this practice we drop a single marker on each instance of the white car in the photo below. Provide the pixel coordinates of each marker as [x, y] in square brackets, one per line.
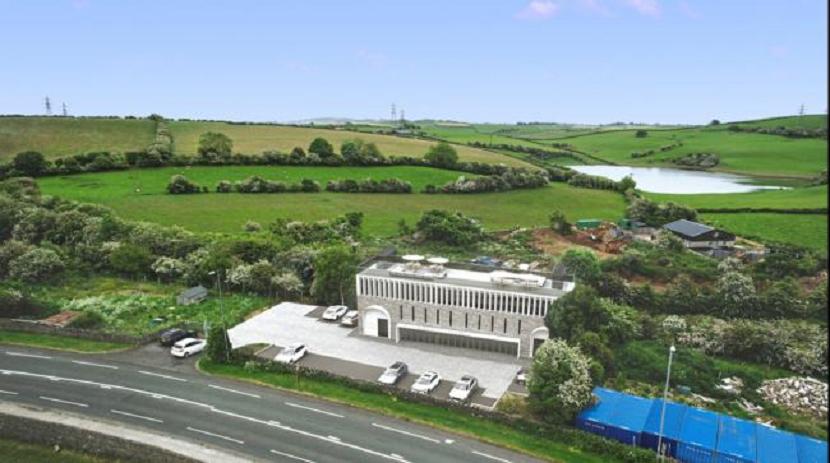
[350, 319]
[334, 312]
[463, 388]
[393, 373]
[291, 353]
[187, 347]
[426, 383]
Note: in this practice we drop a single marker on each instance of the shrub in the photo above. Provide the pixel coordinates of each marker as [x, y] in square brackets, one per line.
[560, 381]
[640, 133]
[36, 265]
[87, 320]
[442, 155]
[450, 228]
[214, 145]
[179, 184]
[30, 163]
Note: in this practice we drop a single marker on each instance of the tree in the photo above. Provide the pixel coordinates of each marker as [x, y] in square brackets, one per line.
[214, 144]
[817, 302]
[736, 295]
[450, 228]
[334, 275]
[559, 223]
[640, 133]
[782, 300]
[321, 147]
[179, 184]
[583, 263]
[560, 381]
[36, 265]
[714, 122]
[287, 284]
[30, 163]
[131, 260]
[218, 348]
[627, 183]
[442, 155]
[574, 313]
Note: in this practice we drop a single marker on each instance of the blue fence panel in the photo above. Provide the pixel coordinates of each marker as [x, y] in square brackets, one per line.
[595, 418]
[698, 436]
[811, 450]
[736, 441]
[672, 423]
[775, 445]
[629, 417]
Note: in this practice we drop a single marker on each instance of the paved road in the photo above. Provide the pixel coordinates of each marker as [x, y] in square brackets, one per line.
[260, 423]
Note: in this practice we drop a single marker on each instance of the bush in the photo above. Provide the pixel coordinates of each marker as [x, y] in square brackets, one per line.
[87, 320]
[214, 145]
[218, 348]
[179, 184]
[450, 228]
[640, 133]
[30, 163]
[509, 180]
[36, 265]
[442, 155]
[389, 185]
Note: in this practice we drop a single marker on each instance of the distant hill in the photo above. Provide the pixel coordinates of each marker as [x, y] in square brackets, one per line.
[807, 121]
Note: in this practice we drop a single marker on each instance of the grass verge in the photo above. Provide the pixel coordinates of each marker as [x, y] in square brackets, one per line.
[12, 450]
[441, 418]
[52, 341]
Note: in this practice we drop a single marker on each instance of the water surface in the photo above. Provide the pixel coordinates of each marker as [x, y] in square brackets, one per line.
[677, 181]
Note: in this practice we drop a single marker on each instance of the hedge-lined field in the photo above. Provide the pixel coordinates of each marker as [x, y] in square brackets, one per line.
[228, 212]
[808, 230]
[796, 198]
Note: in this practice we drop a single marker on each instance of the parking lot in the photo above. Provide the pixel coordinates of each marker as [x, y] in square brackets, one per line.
[343, 351]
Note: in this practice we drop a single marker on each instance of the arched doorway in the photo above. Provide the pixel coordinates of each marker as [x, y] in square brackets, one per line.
[376, 322]
[538, 336]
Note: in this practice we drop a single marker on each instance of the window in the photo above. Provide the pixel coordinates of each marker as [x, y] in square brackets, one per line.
[519, 329]
[479, 322]
[504, 328]
[400, 316]
[492, 323]
[437, 316]
[450, 317]
[465, 320]
[412, 313]
[425, 314]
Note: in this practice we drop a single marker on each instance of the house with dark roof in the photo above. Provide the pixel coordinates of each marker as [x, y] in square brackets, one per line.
[700, 237]
[192, 295]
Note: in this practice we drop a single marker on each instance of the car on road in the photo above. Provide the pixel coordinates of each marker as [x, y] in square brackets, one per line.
[334, 312]
[350, 319]
[426, 383]
[169, 337]
[291, 353]
[187, 347]
[463, 388]
[393, 373]
[521, 376]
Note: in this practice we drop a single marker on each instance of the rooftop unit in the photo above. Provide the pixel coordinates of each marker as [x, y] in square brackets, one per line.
[522, 280]
[413, 267]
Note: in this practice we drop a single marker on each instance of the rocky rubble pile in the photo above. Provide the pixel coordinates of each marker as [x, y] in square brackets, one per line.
[800, 394]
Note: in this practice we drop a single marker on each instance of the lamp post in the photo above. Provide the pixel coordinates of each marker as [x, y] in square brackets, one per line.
[222, 311]
[663, 408]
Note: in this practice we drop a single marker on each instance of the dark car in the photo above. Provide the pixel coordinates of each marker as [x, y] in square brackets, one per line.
[173, 335]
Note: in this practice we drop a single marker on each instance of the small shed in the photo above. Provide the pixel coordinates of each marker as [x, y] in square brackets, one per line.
[736, 441]
[596, 417]
[629, 417]
[775, 445]
[588, 224]
[698, 436]
[811, 450]
[192, 295]
[672, 422]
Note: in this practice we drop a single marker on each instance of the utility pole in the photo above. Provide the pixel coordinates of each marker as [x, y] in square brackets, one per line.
[394, 114]
[660, 451]
[48, 105]
[64, 111]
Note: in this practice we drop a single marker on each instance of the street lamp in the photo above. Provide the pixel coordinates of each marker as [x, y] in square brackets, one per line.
[222, 311]
[663, 408]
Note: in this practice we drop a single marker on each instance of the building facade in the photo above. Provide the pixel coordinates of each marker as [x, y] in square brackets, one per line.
[697, 236]
[495, 311]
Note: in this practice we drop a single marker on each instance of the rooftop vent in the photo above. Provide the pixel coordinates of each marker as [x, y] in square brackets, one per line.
[522, 280]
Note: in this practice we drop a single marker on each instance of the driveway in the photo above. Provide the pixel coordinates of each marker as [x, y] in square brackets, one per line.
[289, 323]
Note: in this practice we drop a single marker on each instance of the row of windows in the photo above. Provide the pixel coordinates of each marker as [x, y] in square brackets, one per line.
[470, 321]
[454, 340]
[465, 298]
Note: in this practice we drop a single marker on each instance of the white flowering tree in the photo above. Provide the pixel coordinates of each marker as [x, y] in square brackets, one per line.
[673, 325]
[560, 381]
[37, 264]
[736, 295]
[287, 284]
[168, 268]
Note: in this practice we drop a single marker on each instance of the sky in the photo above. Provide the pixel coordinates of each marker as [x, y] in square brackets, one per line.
[580, 61]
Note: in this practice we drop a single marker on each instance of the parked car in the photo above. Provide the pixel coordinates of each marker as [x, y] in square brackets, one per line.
[187, 347]
[350, 319]
[291, 353]
[393, 373]
[334, 312]
[426, 383]
[463, 388]
[173, 335]
[521, 376]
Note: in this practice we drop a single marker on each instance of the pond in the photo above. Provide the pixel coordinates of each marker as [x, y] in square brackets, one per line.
[677, 181]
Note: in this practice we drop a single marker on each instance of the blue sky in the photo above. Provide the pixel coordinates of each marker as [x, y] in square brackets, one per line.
[590, 61]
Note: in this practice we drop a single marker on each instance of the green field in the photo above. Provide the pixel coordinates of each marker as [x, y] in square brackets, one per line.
[808, 121]
[746, 153]
[228, 212]
[12, 450]
[50, 341]
[808, 230]
[796, 198]
[59, 136]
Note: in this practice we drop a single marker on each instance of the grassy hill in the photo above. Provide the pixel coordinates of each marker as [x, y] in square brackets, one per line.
[808, 121]
[808, 230]
[62, 136]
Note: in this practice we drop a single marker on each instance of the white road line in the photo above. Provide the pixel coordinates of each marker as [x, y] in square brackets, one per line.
[293, 457]
[52, 399]
[486, 455]
[8, 392]
[159, 375]
[92, 364]
[226, 389]
[20, 354]
[208, 433]
[291, 404]
[141, 417]
[406, 433]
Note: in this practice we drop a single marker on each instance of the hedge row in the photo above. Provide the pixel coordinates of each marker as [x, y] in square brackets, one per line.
[662, 149]
[257, 184]
[790, 132]
[513, 180]
[817, 210]
[368, 185]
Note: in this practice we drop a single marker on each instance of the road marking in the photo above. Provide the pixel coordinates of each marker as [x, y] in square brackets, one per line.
[119, 412]
[159, 375]
[293, 457]
[291, 404]
[21, 354]
[8, 392]
[208, 433]
[52, 399]
[234, 391]
[487, 455]
[334, 438]
[448, 441]
[92, 364]
[406, 433]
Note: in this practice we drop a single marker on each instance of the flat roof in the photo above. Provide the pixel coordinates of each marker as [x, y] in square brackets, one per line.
[536, 284]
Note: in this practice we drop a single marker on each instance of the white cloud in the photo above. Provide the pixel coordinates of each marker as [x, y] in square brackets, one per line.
[645, 7]
[538, 9]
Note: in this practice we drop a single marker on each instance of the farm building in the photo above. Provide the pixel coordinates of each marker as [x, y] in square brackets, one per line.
[698, 236]
[192, 295]
[692, 435]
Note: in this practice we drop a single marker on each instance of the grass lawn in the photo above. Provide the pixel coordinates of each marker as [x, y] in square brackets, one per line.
[808, 121]
[58, 136]
[808, 230]
[438, 417]
[12, 450]
[799, 198]
[252, 139]
[228, 212]
[50, 341]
